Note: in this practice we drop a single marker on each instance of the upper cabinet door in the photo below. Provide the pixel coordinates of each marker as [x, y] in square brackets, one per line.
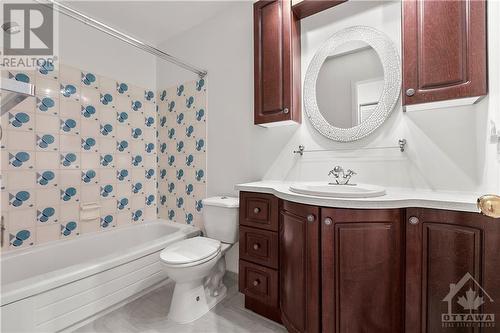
[276, 62]
[444, 50]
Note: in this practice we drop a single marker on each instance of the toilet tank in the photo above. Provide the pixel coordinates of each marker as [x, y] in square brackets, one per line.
[220, 218]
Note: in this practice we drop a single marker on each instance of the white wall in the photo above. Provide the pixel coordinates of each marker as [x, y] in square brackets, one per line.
[84, 47]
[448, 149]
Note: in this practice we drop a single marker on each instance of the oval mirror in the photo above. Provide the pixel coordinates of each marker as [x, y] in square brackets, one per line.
[352, 83]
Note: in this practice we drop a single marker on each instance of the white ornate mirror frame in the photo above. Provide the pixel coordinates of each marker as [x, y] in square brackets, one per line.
[389, 58]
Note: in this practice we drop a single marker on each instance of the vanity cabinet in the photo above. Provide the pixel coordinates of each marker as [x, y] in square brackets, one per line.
[362, 278]
[442, 248]
[444, 51]
[277, 88]
[318, 269]
[299, 269]
[259, 253]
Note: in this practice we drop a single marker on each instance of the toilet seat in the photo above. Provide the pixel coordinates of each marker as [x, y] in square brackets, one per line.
[191, 252]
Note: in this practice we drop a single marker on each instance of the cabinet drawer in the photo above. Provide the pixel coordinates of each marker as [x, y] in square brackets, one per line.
[259, 246]
[259, 210]
[259, 283]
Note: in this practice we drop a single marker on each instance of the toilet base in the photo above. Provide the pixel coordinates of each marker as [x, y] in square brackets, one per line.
[191, 300]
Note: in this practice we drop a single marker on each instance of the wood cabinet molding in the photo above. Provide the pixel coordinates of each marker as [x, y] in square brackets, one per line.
[444, 50]
[307, 8]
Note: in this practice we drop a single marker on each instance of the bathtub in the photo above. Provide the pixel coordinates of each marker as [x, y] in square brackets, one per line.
[63, 285]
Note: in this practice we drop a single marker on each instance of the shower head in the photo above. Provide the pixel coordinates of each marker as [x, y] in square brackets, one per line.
[11, 28]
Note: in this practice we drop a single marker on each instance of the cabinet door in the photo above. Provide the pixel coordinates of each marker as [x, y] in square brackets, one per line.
[276, 62]
[362, 262]
[444, 50]
[448, 253]
[299, 267]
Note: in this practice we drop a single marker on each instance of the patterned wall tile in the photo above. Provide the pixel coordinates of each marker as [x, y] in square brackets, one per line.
[83, 138]
[181, 120]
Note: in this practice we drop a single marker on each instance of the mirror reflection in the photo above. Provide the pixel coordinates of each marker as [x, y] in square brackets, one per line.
[349, 84]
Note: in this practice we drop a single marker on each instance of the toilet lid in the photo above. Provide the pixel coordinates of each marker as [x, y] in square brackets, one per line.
[190, 250]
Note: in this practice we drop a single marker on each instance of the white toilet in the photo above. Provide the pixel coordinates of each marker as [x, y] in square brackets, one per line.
[197, 264]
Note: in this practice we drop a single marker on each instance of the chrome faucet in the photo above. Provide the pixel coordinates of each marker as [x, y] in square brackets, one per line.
[341, 177]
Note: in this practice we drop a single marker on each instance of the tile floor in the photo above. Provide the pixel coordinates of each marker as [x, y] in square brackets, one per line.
[149, 314]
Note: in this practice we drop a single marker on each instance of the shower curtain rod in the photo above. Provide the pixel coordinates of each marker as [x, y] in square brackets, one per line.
[77, 15]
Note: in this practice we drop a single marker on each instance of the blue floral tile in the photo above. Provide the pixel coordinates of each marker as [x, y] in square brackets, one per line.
[69, 229]
[84, 137]
[181, 149]
[19, 120]
[21, 238]
[89, 79]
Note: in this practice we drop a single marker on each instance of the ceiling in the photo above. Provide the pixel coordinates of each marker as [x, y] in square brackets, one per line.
[151, 21]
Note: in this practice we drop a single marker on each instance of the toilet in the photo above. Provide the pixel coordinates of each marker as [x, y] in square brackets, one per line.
[198, 264]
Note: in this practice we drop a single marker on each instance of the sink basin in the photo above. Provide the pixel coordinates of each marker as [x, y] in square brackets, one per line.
[323, 189]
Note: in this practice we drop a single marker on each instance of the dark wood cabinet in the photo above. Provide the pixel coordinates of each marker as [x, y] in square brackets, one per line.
[336, 270]
[259, 253]
[362, 270]
[444, 50]
[259, 246]
[276, 62]
[299, 267]
[259, 210]
[448, 253]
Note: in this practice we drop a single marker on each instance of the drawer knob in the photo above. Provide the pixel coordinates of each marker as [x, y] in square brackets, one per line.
[310, 218]
[256, 210]
[414, 220]
[256, 282]
[328, 221]
[285, 111]
[410, 92]
[256, 246]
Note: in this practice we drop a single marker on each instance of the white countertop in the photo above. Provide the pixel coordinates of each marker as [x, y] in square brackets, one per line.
[394, 198]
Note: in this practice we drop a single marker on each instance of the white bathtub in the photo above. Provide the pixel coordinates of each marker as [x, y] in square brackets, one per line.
[59, 286]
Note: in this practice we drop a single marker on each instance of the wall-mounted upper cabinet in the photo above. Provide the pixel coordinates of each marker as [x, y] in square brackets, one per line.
[276, 63]
[444, 53]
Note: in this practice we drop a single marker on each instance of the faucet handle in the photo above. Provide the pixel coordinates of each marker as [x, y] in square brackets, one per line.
[350, 173]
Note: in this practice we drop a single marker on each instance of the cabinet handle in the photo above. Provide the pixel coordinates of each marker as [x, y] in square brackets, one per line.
[256, 210]
[256, 282]
[311, 218]
[414, 220]
[256, 246]
[285, 110]
[328, 221]
[410, 92]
